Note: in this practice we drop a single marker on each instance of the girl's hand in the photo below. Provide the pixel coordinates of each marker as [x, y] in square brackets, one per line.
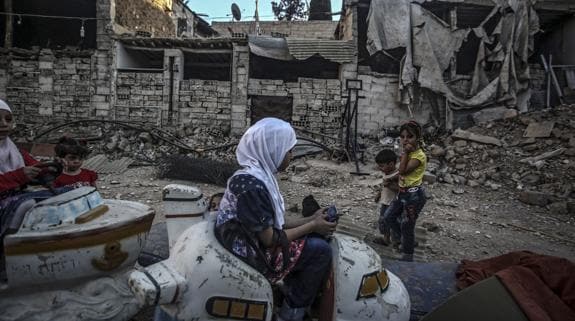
[408, 148]
[319, 213]
[322, 226]
[31, 172]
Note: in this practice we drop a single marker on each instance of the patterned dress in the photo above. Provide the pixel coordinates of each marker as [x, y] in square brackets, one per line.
[247, 201]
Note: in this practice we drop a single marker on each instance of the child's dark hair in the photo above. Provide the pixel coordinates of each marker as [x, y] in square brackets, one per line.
[385, 156]
[70, 146]
[414, 128]
[220, 195]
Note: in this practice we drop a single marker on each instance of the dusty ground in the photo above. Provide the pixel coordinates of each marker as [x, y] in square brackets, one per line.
[477, 224]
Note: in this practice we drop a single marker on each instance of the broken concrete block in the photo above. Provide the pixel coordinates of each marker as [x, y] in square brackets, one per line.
[534, 198]
[542, 129]
[463, 134]
[491, 114]
[558, 208]
[429, 178]
[437, 151]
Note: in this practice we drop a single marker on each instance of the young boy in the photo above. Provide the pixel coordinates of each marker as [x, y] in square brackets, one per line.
[214, 203]
[386, 160]
[72, 155]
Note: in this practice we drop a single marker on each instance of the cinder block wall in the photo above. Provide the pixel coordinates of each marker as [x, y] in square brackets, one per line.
[140, 97]
[317, 103]
[205, 103]
[380, 107]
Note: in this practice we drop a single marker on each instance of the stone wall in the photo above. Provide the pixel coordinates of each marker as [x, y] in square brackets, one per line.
[317, 103]
[54, 84]
[205, 103]
[140, 97]
[294, 29]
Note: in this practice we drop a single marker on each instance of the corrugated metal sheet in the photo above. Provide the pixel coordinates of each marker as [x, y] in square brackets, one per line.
[101, 165]
[334, 50]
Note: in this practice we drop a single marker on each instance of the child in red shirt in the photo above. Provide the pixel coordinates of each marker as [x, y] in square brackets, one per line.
[72, 155]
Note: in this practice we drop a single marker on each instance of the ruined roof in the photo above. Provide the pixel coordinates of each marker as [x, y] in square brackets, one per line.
[301, 49]
[194, 44]
[334, 50]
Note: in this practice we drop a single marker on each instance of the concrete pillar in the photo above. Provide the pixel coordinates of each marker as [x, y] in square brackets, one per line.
[173, 74]
[239, 90]
[46, 82]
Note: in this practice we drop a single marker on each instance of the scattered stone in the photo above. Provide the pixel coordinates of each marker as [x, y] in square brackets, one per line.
[460, 143]
[437, 151]
[530, 148]
[472, 183]
[430, 226]
[491, 114]
[114, 182]
[534, 198]
[531, 179]
[462, 134]
[570, 152]
[542, 129]
[458, 190]
[558, 208]
[429, 178]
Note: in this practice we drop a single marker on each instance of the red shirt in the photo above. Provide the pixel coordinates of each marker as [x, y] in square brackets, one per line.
[15, 179]
[86, 177]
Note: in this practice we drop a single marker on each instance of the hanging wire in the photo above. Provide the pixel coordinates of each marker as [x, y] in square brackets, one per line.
[47, 16]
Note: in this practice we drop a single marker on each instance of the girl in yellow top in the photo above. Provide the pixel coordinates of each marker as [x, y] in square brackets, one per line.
[402, 213]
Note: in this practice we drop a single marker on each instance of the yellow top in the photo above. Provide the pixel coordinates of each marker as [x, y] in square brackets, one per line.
[416, 176]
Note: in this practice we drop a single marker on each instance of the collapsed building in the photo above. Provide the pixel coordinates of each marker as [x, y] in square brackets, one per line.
[158, 62]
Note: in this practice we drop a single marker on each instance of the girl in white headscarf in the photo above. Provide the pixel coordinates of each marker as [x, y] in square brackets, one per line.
[15, 165]
[252, 225]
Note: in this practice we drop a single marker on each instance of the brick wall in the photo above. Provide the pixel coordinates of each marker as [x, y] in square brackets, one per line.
[317, 103]
[205, 103]
[140, 97]
[294, 29]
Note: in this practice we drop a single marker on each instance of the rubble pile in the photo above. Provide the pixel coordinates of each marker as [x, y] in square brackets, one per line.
[532, 153]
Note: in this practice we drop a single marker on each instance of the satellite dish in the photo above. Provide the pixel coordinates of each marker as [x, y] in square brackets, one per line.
[236, 13]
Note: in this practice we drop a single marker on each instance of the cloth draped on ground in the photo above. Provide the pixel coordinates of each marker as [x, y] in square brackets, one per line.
[542, 285]
[431, 45]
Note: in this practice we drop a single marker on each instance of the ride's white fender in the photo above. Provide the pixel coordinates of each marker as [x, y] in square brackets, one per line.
[357, 266]
[217, 283]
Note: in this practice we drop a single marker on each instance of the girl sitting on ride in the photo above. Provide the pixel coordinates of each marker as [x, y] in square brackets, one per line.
[72, 154]
[16, 169]
[402, 213]
[251, 222]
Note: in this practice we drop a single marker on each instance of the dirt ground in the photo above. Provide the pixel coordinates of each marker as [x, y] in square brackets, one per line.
[475, 224]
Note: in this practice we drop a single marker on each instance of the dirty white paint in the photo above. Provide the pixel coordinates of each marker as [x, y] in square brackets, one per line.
[83, 280]
[210, 271]
[353, 259]
[183, 206]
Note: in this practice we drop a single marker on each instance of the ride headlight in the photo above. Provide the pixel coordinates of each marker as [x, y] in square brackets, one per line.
[372, 283]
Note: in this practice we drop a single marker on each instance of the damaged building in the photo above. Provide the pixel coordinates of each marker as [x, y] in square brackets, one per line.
[158, 62]
[442, 61]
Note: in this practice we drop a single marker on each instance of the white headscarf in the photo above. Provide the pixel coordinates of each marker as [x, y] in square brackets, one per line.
[10, 157]
[261, 151]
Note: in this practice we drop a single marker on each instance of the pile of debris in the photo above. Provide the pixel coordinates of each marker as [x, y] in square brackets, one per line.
[532, 153]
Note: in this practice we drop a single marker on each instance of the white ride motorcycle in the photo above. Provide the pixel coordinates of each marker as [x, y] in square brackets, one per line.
[201, 280]
[74, 255]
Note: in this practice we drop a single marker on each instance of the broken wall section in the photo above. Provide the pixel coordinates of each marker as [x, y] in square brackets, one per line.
[140, 97]
[380, 107]
[152, 16]
[294, 29]
[317, 103]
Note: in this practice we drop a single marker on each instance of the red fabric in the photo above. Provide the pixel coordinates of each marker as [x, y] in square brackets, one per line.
[86, 177]
[542, 285]
[15, 179]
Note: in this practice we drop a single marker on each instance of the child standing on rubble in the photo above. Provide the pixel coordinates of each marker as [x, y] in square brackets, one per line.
[72, 154]
[404, 210]
[386, 162]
